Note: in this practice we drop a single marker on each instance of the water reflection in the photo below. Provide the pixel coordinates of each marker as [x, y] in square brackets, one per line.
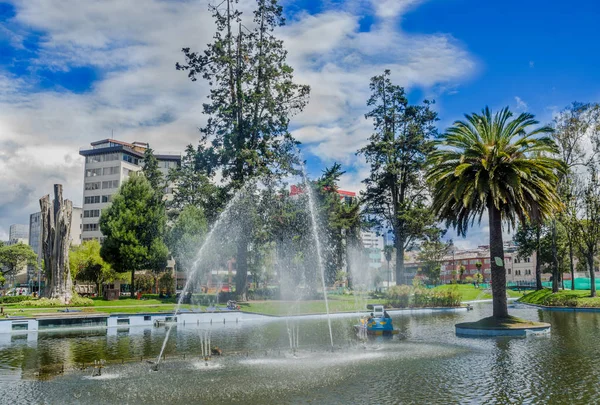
[426, 363]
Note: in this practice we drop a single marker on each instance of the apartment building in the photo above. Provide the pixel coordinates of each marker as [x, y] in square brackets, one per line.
[18, 231]
[373, 244]
[108, 163]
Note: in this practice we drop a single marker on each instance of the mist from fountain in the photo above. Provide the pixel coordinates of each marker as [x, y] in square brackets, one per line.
[315, 231]
[199, 257]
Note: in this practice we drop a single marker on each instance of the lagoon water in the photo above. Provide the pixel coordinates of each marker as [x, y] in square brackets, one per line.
[426, 364]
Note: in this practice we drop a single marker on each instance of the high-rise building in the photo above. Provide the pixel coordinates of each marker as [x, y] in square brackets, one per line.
[373, 244]
[108, 163]
[18, 231]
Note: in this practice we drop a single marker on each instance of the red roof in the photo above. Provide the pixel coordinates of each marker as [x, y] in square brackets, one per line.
[295, 190]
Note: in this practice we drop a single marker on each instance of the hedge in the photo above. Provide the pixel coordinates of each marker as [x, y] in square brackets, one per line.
[10, 299]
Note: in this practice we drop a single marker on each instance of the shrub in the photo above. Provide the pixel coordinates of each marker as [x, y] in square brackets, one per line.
[399, 296]
[269, 293]
[8, 299]
[405, 296]
[78, 301]
[43, 302]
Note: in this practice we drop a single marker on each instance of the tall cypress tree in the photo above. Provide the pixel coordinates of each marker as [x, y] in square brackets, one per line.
[251, 101]
[395, 192]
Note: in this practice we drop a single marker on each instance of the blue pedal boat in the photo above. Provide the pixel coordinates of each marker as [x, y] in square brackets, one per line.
[377, 325]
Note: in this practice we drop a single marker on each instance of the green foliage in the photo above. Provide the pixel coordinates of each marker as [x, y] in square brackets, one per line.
[186, 235]
[166, 283]
[134, 227]
[87, 265]
[431, 254]
[76, 301]
[152, 173]
[144, 282]
[495, 163]
[15, 257]
[2, 280]
[8, 299]
[396, 154]
[252, 98]
[403, 296]
[194, 188]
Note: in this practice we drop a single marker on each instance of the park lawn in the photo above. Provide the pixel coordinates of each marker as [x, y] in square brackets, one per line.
[467, 292]
[304, 307]
[126, 309]
[566, 298]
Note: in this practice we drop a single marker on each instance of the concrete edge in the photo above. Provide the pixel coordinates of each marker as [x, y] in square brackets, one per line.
[563, 309]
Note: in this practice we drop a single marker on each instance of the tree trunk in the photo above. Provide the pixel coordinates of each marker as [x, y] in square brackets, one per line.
[132, 288]
[98, 289]
[56, 229]
[590, 259]
[241, 277]
[498, 271]
[400, 277]
[555, 276]
[571, 264]
[538, 267]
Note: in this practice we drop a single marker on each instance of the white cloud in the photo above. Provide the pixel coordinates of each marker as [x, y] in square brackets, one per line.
[140, 95]
[521, 105]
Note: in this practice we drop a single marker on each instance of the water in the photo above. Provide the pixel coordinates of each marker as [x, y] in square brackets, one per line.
[427, 364]
[315, 230]
[199, 258]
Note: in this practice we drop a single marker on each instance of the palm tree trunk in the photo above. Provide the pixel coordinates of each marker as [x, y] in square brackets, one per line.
[555, 276]
[497, 256]
[399, 262]
[538, 267]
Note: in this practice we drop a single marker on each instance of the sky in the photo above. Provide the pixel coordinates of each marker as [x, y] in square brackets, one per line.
[76, 71]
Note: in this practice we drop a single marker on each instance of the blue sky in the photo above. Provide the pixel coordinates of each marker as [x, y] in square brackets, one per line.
[75, 71]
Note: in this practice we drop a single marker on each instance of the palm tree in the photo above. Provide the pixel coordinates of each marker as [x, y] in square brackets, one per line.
[499, 164]
[388, 251]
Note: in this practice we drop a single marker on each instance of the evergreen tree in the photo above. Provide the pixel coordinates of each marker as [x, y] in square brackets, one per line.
[134, 228]
[153, 173]
[187, 235]
[192, 187]
[395, 192]
[252, 99]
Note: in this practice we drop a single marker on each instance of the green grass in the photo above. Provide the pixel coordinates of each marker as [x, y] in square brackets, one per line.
[510, 322]
[307, 307]
[467, 291]
[566, 298]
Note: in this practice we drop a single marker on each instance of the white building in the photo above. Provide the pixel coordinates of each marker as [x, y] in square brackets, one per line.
[373, 243]
[108, 163]
[18, 231]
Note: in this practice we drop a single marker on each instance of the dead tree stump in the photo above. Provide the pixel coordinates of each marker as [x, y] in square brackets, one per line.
[56, 229]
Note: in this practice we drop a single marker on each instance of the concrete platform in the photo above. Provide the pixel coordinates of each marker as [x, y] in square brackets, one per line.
[466, 329]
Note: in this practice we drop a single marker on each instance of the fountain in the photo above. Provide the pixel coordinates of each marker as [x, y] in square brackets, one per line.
[313, 217]
[194, 269]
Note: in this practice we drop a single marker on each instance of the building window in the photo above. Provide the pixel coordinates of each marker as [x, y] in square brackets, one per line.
[486, 261]
[508, 271]
[110, 170]
[93, 172]
[92, 186]
[94, 199]
[528, 260]
[90, 227]
[106, 198]
[91, 213]
[110, 184]
[130, 159]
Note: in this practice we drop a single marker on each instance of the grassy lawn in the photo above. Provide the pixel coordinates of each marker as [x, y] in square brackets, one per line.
[511, 322]
[468, 292]
[336, 304]
[566, 298]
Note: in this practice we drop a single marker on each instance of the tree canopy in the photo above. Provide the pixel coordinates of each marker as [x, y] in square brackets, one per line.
[499, 164]
[134, 227]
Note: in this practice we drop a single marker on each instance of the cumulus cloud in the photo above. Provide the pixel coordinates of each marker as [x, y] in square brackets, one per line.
[140, 96]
